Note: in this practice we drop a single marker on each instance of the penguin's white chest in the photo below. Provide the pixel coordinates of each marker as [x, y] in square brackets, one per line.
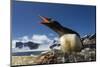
[70, 43]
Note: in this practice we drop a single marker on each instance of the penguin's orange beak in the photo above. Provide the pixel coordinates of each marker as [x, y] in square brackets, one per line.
[44, 19]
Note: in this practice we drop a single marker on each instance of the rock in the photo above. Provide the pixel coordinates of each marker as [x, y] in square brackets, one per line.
[89, 39]
[51, 57]
[19, 45]
[29, 44]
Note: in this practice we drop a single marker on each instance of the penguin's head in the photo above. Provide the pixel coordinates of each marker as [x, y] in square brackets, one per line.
[49, 22]
[52, 24]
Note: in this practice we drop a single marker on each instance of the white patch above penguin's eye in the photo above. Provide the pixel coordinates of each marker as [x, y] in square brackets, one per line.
[51, 20]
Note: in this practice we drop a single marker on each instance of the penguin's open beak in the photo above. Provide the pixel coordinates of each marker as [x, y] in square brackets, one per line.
[44, 19]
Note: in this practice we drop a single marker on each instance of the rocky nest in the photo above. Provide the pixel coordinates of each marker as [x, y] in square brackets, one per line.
[56, 56]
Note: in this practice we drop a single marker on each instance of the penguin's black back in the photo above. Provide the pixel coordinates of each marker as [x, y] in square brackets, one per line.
[70, 31]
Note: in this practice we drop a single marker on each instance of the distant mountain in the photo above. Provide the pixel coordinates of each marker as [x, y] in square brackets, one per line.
[54, 44]
[19, 44]
[29, 44]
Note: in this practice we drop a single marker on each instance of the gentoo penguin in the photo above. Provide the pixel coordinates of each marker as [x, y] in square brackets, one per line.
[69, 40]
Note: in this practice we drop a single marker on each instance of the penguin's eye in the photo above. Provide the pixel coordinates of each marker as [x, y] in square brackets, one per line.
[51, 20]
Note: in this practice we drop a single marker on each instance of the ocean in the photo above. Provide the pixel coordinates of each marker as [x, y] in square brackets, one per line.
[27, 53]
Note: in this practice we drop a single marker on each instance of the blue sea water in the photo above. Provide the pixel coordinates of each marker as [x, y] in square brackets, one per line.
[26, 53]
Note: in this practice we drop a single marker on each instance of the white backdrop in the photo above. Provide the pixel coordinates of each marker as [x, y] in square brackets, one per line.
[5, 33]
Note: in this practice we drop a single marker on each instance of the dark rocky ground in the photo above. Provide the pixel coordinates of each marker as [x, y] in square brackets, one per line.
[56, 56]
